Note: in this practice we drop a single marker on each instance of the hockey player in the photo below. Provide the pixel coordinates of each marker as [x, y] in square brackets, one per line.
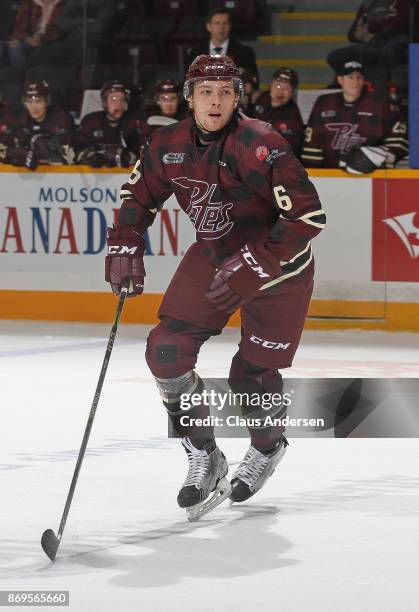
[354, 129]
[250, 93]
[112, 137]
[44, 133]
[255, 212]
[278, 107]
[168, 106]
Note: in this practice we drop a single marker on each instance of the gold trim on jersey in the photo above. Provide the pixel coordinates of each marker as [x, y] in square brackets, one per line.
[280, 279]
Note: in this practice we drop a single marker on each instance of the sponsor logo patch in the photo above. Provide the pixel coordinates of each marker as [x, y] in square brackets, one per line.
[328, 113]
[273, 155]
[262, 152]
[173, 158]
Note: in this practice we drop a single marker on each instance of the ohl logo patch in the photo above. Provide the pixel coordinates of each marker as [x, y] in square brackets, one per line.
[210, 218]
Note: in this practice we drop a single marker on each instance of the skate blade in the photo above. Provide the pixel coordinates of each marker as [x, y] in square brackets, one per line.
[222, 492]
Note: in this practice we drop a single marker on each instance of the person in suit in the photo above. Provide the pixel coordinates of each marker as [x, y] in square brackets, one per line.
[218, 24]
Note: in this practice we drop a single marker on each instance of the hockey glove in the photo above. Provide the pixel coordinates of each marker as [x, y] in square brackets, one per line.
[92, 158]
[367, 159]
[241, 276]
[118, 156]
[22, 157]
[125, 259]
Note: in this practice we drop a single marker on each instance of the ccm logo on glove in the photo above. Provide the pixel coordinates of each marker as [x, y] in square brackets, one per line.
[252, 263]
[121, 250]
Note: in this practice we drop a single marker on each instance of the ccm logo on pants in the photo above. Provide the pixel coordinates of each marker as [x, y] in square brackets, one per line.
[268, 344]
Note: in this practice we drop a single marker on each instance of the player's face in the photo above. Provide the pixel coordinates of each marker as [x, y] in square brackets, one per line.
[168, 104]
[352, 84]
[213, 104]
[116, 105]
[281, 92]
[36, 107]
[219, 28]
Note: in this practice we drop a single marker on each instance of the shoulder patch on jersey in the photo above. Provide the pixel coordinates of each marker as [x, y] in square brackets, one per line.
[173, 158]
[264, 153]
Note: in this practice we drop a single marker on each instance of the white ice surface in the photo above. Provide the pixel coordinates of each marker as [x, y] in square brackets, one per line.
[335, 529]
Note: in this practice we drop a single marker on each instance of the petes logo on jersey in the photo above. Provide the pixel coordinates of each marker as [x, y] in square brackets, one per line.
[210, 218]
[407, 231]
[345, 137]
[173, 158]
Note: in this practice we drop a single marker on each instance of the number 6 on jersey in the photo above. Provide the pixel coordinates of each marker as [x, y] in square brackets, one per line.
[282, 199]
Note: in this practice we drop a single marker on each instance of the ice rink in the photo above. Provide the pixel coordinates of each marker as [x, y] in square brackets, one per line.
[336, 529]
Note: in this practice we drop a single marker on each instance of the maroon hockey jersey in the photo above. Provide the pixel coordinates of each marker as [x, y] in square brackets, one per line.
[335, 127]
[286, 119]
[247, 186]
[52, 140]
[98, 132]
[57, 122]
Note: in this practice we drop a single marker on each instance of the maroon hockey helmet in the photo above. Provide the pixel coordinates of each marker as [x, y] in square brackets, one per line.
[286, 75]
[114, 87]
[166, 86]
[35, 90]
[212, 68]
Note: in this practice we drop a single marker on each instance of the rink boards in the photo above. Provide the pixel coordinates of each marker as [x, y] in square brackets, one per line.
[53, 231]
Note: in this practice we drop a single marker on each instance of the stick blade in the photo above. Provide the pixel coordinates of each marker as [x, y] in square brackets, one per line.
[50, 543]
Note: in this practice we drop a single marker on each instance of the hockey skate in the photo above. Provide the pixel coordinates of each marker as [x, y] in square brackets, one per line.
[254, 471]
[207, 471]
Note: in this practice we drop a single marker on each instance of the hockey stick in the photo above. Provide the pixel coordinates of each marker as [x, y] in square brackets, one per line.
[161, 120]
[49, 541]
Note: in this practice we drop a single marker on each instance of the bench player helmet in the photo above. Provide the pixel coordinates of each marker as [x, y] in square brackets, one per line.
[113, 87]
[166, 86]
[37, 89]
[286, 75]
[212, 68]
